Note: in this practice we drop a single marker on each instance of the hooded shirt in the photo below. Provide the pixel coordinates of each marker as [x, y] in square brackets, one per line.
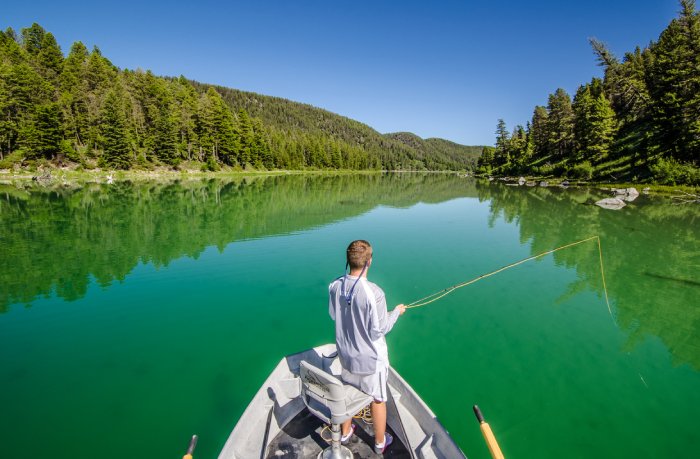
[361, 324]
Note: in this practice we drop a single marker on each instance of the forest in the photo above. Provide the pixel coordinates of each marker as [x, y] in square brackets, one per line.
[639, 123]
[81, 110]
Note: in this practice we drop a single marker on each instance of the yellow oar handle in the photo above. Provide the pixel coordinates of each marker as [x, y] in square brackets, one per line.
[190, 449]
[488, 435]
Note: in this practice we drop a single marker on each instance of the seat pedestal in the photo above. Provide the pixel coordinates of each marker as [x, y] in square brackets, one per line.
[336, 450]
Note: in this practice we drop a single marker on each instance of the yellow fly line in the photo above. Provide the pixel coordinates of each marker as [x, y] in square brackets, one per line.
[442, 293]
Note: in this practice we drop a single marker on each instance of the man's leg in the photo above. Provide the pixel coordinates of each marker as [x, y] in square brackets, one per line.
[345, 427]
[379, 420]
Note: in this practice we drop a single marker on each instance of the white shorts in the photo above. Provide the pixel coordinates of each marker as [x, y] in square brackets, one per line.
[374, 384]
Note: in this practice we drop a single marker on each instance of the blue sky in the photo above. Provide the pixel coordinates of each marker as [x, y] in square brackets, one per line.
[445, 69]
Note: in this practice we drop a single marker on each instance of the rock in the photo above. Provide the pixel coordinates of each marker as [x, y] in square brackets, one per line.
[521, 181]
[611, 203]
[544, 183]
[631, 195]
[565, 183]
[628, 194]
[530, 183]
[646, 190]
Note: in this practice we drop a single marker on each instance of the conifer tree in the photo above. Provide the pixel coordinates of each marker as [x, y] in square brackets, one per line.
[117, 152]
[73, 98]
[166, 136]
[560, 124]
[674, 85]
[49, 130]
[501, 154]
[50, 58]
[518, 148]
[32, 38]
[539, 132]
[247, 137]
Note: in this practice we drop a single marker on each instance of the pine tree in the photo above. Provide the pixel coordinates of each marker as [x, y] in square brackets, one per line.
[247, 138]
[186, 100]
[518, 148]
[166, 136]
[560, 124]
[32, 38]
[583, 113]
[674, 85]
[49, 130]
[501, 155]
[50, 59]
[117, 153]
[73, 98]
[539, 132]
[486, 160]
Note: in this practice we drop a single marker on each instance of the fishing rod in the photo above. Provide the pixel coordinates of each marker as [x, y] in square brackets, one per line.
[444, 292]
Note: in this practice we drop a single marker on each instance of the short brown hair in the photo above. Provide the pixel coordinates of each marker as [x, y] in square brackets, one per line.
[359, 253]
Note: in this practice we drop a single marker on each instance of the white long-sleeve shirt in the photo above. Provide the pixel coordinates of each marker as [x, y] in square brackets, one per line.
[360, 326]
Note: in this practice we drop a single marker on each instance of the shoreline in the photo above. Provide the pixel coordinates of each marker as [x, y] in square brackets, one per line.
[69, 176]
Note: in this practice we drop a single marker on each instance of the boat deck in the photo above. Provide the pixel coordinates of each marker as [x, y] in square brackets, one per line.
[301, 439]
[276, 424]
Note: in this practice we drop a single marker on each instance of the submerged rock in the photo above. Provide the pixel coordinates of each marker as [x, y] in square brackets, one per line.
[611, 203]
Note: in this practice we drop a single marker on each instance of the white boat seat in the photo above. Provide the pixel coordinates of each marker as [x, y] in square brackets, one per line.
[327, 397]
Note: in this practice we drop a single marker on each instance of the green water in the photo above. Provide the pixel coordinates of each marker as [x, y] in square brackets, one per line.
[132, 316]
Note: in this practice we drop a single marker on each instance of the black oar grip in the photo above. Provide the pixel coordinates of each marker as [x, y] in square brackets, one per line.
[193, 444]
[479, 416]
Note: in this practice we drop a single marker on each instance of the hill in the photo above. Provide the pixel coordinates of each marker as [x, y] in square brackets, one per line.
[81, 108]
[396, 151]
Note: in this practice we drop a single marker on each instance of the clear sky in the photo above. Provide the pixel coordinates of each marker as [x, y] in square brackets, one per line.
[437, 68]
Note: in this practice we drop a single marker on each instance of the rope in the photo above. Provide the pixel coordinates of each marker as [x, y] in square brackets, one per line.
[442, 293]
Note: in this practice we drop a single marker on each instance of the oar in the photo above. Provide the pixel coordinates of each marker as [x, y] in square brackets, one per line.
[488, 435]
[190, 450]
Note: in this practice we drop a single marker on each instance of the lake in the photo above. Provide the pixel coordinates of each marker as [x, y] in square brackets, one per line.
[134, 315]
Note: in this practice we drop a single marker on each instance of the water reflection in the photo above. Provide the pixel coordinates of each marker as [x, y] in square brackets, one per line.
[56, 240]
[651, 250]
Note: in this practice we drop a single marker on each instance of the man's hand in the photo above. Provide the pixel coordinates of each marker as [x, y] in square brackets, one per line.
[401, 308]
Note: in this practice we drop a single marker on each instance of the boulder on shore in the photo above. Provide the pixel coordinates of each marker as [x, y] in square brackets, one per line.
[611, 203]
[628, 194]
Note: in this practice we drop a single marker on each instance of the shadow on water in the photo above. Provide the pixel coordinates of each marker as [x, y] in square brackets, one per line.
[688, 282]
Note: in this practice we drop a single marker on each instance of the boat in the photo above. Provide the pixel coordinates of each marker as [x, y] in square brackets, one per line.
[279, 424]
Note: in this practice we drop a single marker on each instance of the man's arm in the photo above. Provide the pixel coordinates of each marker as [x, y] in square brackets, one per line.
[331, 302]
[381, 321]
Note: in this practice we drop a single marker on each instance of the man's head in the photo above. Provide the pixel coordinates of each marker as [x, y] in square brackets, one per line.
[359, 254]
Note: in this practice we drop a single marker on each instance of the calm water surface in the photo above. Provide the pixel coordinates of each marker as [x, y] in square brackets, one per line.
[132, 316]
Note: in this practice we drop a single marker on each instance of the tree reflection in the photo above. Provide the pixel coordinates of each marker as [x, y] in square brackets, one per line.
[57, 240]
[651, 251]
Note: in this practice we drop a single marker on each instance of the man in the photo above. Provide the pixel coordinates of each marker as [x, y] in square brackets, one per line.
[361, 322]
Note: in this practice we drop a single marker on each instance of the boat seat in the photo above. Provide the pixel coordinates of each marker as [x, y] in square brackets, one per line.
[333, 402]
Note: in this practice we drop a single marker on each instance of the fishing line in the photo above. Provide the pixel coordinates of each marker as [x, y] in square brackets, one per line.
[444, 292]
